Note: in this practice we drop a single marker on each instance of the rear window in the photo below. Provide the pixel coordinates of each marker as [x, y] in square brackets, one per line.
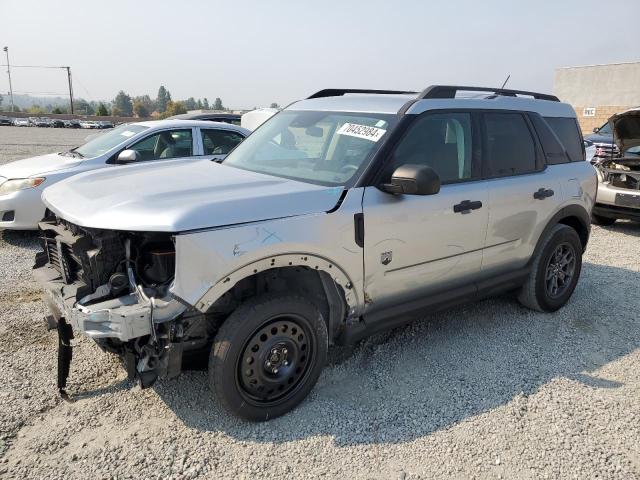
[567, 131]
[509, 145]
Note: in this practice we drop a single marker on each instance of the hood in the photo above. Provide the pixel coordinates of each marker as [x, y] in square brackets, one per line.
[37, 165]
[626, 129]
[175, 197]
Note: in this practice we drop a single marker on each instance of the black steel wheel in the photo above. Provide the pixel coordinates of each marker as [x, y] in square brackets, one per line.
[275, 360]
[267, 356]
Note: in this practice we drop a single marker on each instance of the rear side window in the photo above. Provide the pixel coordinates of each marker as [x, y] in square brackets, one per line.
[509, 145]
[567, 131]
[554, 151]
[219, 142]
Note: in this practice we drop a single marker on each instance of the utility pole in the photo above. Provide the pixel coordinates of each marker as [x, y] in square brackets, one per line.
[6, 50]
[70, 88]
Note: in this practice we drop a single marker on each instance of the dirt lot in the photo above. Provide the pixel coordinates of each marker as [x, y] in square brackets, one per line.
[483, 391]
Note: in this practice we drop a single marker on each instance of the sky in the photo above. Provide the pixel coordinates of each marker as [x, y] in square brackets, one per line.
[253, 53]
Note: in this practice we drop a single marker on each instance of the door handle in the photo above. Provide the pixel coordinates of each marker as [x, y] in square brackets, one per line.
[543, 193]
[466, 206]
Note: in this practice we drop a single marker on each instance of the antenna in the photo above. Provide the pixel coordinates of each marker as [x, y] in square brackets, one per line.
[505, 82]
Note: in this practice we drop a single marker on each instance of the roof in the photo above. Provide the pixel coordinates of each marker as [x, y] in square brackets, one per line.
[392, 104]
[204, 115]
[192, 123]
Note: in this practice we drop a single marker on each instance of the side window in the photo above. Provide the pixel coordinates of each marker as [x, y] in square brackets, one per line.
[554, 151]
[509, 145]
[567, 131]
[165, 144]
[219, 142]
[441, 141]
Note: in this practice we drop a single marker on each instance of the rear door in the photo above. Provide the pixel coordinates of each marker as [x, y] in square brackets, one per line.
[418, 246]
[216, 143]
[523, 193]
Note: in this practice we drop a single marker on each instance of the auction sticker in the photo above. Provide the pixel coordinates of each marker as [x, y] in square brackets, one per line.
[128, 133]
[362, 131]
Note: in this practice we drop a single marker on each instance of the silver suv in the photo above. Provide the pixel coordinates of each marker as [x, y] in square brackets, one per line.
[347, 213]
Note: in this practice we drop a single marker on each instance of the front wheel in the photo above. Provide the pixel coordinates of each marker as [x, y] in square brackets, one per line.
[267, 356]
[554, 271]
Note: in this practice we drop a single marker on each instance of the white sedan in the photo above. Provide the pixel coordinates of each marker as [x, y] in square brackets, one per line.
[22, 181]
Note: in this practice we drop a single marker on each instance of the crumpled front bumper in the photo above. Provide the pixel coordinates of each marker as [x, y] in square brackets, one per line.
[123, 318]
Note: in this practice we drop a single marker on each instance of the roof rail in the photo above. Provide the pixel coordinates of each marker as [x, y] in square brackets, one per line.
[338, 92]
[449, 91]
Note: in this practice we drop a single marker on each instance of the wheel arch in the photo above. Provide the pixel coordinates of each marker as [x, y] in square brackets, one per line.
[574, 216]
[321, 279]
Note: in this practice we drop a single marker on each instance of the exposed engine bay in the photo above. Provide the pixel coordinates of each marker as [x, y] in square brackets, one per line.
[621, 172]
[114, 287]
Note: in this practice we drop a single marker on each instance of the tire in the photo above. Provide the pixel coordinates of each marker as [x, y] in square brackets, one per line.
[602, 221]
[267, 356]
[538, 291]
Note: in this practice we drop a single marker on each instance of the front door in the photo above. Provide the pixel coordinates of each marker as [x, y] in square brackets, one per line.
[419, 246]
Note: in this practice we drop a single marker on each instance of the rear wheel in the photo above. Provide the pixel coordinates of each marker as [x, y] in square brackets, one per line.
[267, 356]
[602, 221]
[554, 272]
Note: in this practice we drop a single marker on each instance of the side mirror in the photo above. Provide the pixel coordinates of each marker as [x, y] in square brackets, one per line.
[413, 179]
[128, 156]
[595, 130]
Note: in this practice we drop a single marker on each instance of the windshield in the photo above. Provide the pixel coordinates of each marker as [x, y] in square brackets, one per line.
[325, 148]
[605, 129]
[105, 142]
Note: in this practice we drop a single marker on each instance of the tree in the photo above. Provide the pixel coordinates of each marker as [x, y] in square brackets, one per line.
[123, 105]
[0, 100]
[190, 103]
[102, 111]
[205, 103]
[35, 109]
[217, 105]
[274, 105]
[164, 97]
[174, 108]
[199, 104]
[59, 110]
[82, 106]
[140, 109]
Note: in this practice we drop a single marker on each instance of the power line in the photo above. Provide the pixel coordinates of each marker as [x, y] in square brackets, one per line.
[30, 66]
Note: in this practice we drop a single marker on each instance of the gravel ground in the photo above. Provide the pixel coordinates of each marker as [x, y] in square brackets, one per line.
[490, 390]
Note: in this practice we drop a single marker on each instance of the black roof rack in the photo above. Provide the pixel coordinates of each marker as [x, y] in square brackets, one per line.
[338, 92]
[449, 91]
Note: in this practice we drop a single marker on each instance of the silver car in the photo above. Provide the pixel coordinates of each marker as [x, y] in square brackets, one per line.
[619, 172]
[22, 181]
[344, 214]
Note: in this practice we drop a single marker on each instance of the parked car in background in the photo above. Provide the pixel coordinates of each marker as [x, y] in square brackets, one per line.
[345, 214]
[43, 122]
[71, 123]
[21, 122]
[619, 172]
[599, 144]
[57, 123]
[32, 121]
[253, 119]
[104, 124]
[209, 117]
[4, 120]
[88, 124]
[22, 181]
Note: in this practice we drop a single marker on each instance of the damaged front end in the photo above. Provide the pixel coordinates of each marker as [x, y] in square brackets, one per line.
[621, 172]
[115, 287]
